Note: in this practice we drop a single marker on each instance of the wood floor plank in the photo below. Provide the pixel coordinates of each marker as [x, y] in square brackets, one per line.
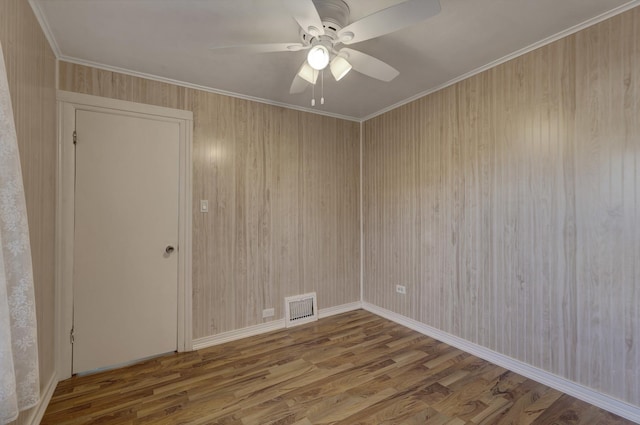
[354, 368]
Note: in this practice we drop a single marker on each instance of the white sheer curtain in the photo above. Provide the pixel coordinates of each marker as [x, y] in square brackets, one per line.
[19, 377]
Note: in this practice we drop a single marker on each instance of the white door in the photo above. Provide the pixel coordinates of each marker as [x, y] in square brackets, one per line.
[125, 283]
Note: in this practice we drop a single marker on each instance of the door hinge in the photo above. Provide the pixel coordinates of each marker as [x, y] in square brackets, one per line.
[75, 137]
[72, 336]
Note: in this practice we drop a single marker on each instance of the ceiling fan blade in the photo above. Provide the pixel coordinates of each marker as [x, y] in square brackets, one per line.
[260, 48]
[298, 85]
[368, 65]
[389, 20]
[306, 15]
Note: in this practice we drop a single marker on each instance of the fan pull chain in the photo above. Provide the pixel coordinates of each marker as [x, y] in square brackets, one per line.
[322, 87]
[313, 95]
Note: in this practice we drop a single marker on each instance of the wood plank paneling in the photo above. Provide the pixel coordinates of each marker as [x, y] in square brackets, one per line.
[355, 368]
[607, 167]
[30, 66]
[283, 191]
[509, 204]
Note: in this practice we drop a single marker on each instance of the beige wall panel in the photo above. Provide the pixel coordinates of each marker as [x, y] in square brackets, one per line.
[283, 191]
[98, 82]
[30, 66]
[509, 204]
[607, 201]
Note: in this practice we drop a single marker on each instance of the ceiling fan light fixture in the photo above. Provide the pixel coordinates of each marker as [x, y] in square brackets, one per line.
[347, 36]
[340, 67]
[318, 57]
[313, 31]
[308, 74]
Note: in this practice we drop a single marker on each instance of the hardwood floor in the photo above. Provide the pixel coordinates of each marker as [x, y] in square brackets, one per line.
[354, 368]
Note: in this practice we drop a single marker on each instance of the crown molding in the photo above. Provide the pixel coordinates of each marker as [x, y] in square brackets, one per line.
[590, 22]
[562, 34]
[46, 29]
[202, 88]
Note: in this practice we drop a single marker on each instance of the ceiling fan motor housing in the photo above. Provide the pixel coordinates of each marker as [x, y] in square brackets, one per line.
[334, 14]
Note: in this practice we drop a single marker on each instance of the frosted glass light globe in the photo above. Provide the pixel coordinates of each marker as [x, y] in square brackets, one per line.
[318, 57]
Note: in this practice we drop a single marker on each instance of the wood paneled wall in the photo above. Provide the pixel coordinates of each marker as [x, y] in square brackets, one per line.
[31, 71]
[509, 205]
[283, 191]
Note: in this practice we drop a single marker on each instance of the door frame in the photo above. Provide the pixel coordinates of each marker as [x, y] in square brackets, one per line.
[68, 104]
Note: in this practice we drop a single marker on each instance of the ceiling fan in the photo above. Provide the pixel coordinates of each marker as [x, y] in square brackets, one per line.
[325, 28]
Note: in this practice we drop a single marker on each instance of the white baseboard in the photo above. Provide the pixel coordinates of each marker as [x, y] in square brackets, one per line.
[576, 390]
[37, 412]
[339, 309]
[221, 338]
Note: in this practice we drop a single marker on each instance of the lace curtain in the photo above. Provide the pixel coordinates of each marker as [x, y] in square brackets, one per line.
[19, 386]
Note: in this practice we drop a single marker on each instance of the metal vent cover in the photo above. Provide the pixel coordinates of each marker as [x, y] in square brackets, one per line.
[300, 309]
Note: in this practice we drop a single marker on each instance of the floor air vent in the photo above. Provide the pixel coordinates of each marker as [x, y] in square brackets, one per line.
[301, 309]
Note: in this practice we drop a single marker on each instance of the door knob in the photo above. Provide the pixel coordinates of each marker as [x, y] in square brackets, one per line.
[169, 249]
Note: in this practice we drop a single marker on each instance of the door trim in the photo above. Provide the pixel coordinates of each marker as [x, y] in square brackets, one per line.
[68, 103]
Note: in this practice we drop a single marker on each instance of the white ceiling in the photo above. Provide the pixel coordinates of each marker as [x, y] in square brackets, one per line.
[171, 39]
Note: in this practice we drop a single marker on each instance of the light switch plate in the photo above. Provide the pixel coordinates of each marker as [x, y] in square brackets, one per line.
[204, 205]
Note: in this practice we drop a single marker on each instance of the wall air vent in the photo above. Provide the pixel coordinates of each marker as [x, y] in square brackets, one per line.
[300, 309]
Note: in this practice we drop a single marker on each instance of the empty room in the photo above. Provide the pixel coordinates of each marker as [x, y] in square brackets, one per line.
[320, 212]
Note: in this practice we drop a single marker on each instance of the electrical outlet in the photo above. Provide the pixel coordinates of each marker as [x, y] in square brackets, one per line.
[268, 312]
[400, 289]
